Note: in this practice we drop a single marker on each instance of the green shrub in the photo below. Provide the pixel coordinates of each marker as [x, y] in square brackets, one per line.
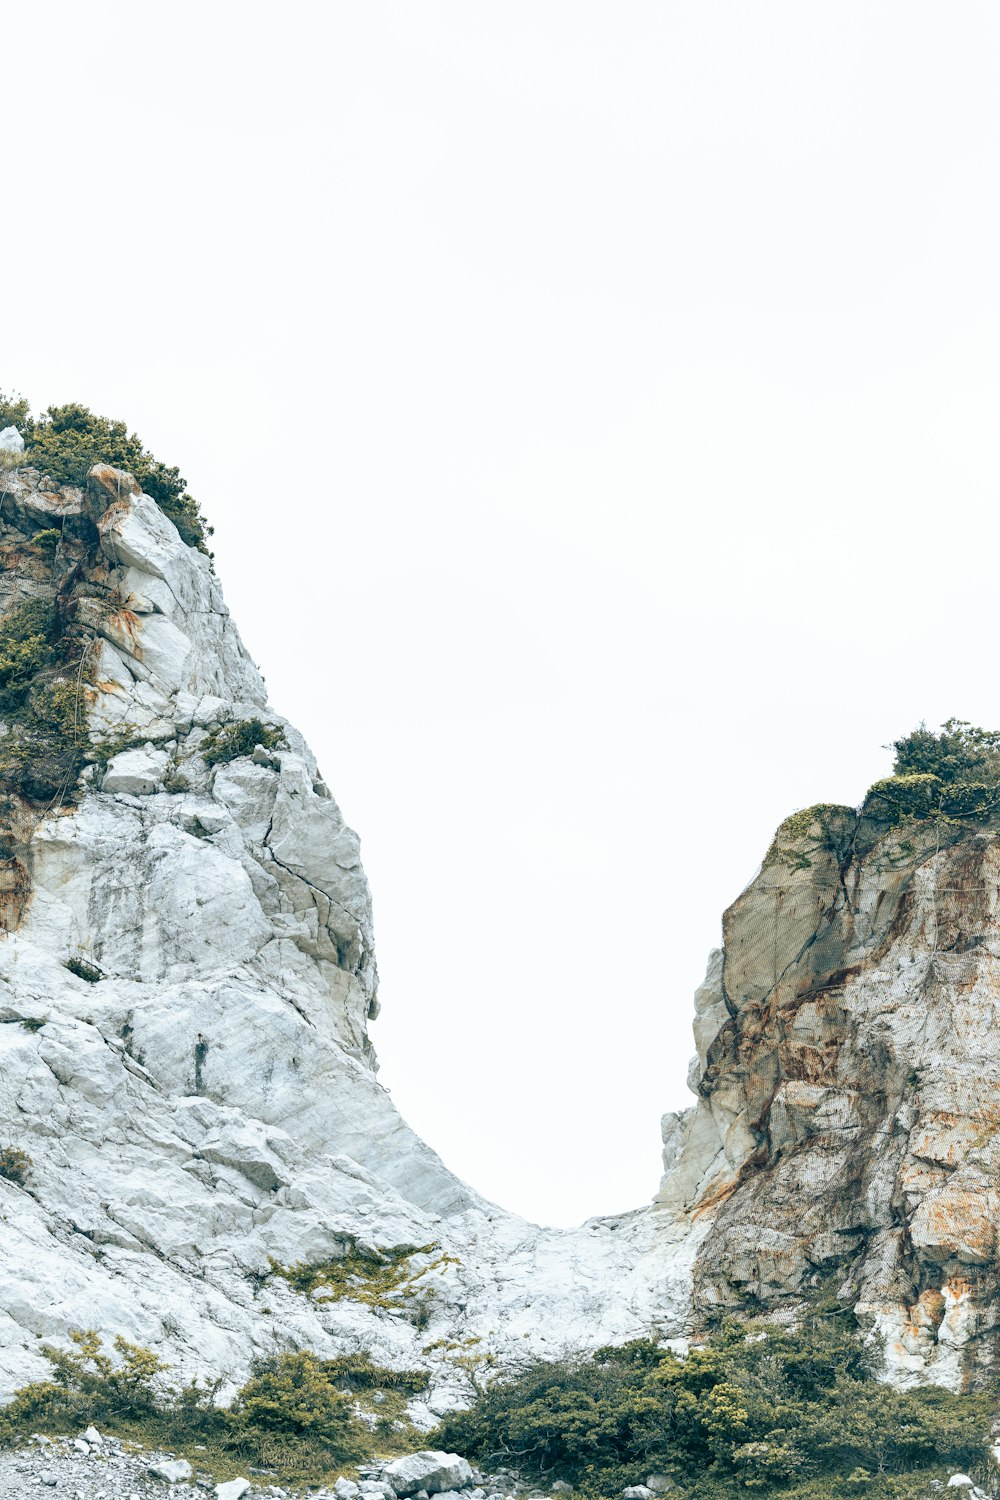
[915, 795]
[969, 799]
[27, 637]
[754, 1407]
[229, 741]
[290, 1417]
[47, 542]
[84, 969]
[44, 700]
[294, 1394]
[14, 1164]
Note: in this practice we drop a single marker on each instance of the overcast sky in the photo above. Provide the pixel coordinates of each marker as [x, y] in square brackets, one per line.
[597, 407]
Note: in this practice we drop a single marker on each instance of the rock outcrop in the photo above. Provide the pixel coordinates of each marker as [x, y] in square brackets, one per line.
[186, 984]
[845, 1139]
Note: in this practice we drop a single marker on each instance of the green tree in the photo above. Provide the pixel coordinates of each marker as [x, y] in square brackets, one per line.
[961, 752]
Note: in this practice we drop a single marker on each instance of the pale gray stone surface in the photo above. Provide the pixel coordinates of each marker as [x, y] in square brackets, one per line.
[171, 1470]
[211, 1101]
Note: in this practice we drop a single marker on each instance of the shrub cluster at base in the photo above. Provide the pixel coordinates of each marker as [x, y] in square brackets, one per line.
[297, 1414]
[792, 1412]
[66, 441]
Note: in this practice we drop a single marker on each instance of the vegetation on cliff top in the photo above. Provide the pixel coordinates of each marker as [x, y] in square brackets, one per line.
[952, 777]
[65, 441]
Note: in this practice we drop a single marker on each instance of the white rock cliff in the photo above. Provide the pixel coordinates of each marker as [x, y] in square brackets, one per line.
[197, 1091]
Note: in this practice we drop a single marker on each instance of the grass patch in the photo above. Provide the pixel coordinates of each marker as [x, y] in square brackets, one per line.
[382, 1278]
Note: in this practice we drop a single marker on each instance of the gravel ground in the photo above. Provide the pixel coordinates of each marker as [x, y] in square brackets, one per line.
[101, 1469]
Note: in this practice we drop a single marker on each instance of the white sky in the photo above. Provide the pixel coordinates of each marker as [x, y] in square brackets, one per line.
[597, 407]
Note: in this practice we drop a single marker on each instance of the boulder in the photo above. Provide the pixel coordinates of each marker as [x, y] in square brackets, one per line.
[233, 1489]
[637, 1492]
[171, 1470]
[11, 440]
[136, 772]
[428, 1470]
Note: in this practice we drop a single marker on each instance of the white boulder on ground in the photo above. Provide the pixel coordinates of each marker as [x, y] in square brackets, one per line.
[11, 441]
[233, 1489]
[430, 1471]
[171, 1470]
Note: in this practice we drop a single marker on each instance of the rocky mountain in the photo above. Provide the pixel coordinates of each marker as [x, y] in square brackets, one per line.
[187, 980]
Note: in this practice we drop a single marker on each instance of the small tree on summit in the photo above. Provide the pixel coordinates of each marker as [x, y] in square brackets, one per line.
[960, 753]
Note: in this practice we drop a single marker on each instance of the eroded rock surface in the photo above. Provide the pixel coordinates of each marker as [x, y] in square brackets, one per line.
[845, 1138]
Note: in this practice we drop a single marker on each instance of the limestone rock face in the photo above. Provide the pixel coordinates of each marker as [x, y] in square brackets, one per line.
[187, 977]
[848, 1076]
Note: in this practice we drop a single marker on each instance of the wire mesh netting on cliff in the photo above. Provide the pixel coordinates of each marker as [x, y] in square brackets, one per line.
[898, 933]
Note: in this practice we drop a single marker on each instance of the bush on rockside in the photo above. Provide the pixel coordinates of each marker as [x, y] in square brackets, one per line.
[797, 1413]
[15, 1164]
[228, 742]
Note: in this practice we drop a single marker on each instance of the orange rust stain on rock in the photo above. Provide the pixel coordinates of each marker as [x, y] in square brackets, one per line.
[713, 1199]
[926, 1315]
[127, 622]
